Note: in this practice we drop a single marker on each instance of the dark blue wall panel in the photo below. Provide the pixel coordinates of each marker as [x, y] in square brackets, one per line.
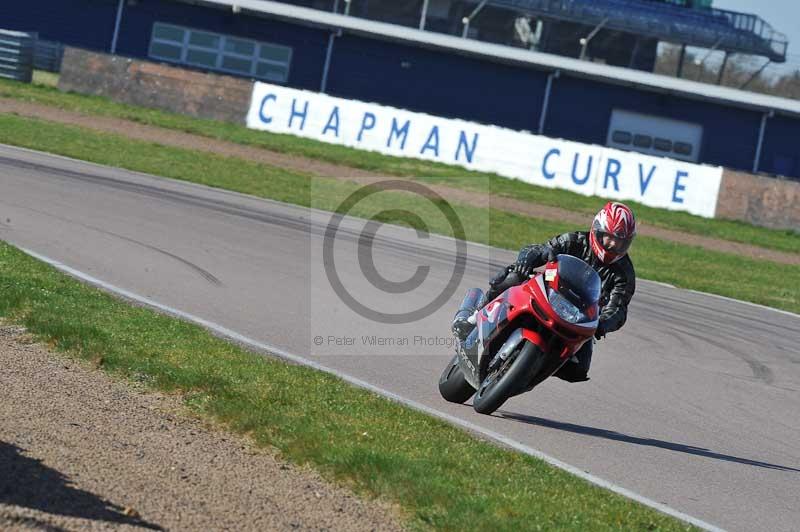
[439, 83]
[780, 153]
[83, 23]
[581, 110]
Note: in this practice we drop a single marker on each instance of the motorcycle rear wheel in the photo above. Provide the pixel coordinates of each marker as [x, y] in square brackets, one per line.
[453, 385]
[501, 384]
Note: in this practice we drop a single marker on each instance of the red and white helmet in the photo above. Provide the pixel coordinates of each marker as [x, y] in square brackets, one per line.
[615, 220]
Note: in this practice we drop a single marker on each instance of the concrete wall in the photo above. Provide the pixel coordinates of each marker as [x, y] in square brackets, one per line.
[760, 200]
[155, 85]
[756, 199]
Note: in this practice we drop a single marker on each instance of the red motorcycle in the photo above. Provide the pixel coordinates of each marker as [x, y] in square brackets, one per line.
[524, 335]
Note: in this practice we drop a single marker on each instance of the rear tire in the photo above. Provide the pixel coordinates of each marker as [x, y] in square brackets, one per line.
[453, 385]
[497, 387]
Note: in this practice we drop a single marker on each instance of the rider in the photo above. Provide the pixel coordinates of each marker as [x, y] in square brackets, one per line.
[605, 248]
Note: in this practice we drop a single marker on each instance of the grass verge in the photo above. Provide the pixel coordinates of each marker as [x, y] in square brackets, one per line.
[439, 475]
[686, 266]
[787, 241]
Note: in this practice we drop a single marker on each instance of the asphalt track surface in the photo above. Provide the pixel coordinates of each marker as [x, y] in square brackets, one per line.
[694, 404]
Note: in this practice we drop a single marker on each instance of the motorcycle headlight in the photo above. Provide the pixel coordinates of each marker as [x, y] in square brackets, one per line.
[565, 309]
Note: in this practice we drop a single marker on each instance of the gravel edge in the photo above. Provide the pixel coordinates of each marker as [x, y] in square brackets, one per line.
[80, 450]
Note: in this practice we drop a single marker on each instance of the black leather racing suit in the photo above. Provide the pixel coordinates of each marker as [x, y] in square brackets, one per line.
[618, 284]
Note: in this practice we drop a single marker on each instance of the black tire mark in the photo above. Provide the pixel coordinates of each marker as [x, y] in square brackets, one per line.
[280, 220]
[207, 275]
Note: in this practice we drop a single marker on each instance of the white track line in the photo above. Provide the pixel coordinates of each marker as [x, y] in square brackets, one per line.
[261, 346]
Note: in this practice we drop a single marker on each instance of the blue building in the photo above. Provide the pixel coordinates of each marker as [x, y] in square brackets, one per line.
[436, 73]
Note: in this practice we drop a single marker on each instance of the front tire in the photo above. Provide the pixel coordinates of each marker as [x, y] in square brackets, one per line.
[501, 384]
[453, 385]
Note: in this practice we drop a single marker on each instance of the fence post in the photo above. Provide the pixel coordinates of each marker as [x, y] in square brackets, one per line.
[16, 55]
[117, 23]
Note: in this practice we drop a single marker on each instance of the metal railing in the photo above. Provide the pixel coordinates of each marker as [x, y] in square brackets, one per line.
[47, 55]
[16, 55]
[726, 30]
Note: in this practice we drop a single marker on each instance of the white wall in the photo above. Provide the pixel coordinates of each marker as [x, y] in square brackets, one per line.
[585, 169]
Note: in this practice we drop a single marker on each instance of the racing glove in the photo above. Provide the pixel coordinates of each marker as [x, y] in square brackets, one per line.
[528, 259]
[600, 332]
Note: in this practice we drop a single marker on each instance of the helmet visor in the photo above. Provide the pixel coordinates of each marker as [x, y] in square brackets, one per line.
[613, 243]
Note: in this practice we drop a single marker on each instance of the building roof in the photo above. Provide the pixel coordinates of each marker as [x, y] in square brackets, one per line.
[507, 54]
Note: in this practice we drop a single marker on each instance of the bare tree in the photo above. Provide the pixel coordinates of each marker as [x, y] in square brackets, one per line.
[739, 72]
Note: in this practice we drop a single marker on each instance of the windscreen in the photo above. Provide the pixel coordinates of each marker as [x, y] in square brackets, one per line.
[577, 281]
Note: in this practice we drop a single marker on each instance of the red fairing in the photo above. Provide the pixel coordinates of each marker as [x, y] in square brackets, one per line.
[534, 338]
[523, 336]
[530, 298]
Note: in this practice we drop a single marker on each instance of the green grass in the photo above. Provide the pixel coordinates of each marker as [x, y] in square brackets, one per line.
[44, 78]
[685, 266]
[440, 476]
[782, 240]
[732, 230]
[379, 448]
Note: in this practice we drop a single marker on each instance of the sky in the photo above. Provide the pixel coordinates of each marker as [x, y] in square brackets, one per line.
[782, 15]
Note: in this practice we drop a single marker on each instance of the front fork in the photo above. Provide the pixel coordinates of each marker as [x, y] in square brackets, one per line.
[547, 364]
[509, 346]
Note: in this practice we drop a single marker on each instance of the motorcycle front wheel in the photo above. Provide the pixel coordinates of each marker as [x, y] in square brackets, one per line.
[505, 381]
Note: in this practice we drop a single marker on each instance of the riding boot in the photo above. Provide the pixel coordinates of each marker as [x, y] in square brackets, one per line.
[576, 369]
[464, 320]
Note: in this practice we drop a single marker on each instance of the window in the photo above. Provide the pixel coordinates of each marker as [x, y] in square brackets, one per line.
[201, 58]
[168, 33]
[654, 135]
[642, 141]
[271, 72]
[662, 144]
[204, 40]
[167, 42]
[240, 47]
[683, 148]
[223, 53]
[622, 137]
[236, 64]
[165, 51]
